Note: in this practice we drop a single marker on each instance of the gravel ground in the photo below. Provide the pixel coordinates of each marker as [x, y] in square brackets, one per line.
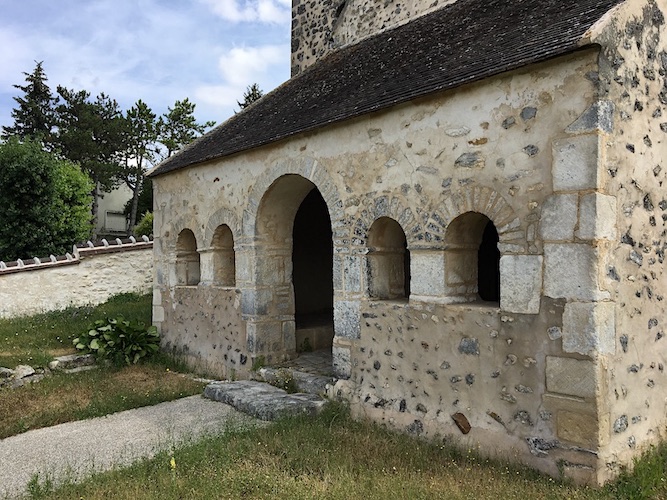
[76, 449]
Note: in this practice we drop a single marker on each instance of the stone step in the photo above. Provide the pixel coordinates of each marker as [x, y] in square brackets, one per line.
[263, 401]
[75, 362]
[304, 382]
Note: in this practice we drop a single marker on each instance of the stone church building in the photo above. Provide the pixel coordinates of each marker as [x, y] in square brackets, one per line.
[461, 202]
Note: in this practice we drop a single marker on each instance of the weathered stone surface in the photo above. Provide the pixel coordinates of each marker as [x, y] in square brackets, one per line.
[346, 318]
[571, 272]
[521, 286]
[22, 371]
[573, 377]
[597, 217]
[575, 163]
[262, 400]
[589, 328]
[427, 271]
[6, 372]
[461, 422]
[72, 361]
[559, 217]
[578, 428]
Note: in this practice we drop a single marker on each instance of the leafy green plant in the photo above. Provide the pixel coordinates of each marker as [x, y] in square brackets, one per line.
[119, 340]
[145, 226]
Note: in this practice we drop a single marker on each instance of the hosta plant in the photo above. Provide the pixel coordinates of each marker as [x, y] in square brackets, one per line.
[119, 340]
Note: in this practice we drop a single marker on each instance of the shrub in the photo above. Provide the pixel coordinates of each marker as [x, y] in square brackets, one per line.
[119, 340]
[145, 226]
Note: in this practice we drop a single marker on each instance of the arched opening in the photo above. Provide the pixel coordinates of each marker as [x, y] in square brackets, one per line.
[388, 261]
[224, 262]
[293, 295]
[312, 274]
[488, 265]
[187, 259]
[472, 259]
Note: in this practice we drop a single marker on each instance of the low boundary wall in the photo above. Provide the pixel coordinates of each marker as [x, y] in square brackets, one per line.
[89, 275]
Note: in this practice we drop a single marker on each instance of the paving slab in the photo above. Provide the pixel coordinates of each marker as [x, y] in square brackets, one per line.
[77, 449]
[262, 400]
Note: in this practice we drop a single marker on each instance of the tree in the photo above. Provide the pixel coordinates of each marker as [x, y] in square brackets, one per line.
[46, 201]
[34, 116]
[90, 133]
[140, 150]
[251, 94]
[178, 127]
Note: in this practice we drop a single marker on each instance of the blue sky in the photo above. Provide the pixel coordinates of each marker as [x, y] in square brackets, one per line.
[155, 50]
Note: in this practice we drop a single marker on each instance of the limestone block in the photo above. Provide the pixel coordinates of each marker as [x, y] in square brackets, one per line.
[427, 273]
[520, 283]
[571, 272]
[589, 328]
[569, 376]
[255, 302]
[157, 296]
[244, 268]
[579, 428]
[597, 217]
[207, 272]
[575, 163]
[559, 217]
[347, 319]
[158, 313]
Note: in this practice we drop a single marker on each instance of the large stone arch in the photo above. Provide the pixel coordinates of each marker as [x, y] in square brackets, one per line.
[266, 251]
[309, 169]
[177, 225]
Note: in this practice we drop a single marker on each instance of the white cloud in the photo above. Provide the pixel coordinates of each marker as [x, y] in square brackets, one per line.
[240, 67]
[265, 11]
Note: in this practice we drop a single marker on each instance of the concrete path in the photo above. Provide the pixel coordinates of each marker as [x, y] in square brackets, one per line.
[76, 449]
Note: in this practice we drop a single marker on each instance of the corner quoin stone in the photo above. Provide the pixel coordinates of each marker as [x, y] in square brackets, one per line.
[589, 328]
[575, 163]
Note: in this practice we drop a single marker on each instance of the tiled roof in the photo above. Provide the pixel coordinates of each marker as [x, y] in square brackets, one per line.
[458, 44]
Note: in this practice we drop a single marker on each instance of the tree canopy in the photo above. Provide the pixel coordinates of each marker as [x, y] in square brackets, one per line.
[251, 94]
[34, 115]
[45, 201]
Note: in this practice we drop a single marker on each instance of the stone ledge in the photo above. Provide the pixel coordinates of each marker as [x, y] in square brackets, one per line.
[262, 400]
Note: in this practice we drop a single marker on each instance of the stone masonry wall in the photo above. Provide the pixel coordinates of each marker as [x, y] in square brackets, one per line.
[504, 147]
[90, 277]
[633, 76]
[319, 27]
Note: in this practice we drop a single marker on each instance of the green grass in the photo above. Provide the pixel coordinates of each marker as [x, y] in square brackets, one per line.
[334, 457]
[64, 397]
[35, 340]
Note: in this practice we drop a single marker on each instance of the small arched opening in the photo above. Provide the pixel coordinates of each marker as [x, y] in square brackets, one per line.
[187, 259]
[224, 262]
[472, 259]
[388, 261]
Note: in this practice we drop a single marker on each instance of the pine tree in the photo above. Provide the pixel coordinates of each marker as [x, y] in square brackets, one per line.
[251, 94]
[34, 117]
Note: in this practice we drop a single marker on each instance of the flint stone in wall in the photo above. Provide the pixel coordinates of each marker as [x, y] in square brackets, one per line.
[570, 272]
[521, 288]
[575, 163]
[589, 328]
[559, 217]
[597, 217]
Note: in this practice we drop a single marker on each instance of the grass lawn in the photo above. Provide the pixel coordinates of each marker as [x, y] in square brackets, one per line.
[35, 340]
[335, 457]
[331, 456]
[64, 397]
